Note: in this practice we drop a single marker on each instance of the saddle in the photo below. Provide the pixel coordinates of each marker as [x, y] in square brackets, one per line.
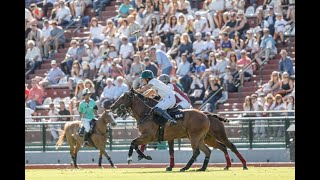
[174, 112]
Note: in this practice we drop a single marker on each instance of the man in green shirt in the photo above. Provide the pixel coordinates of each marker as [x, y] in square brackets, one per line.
[87, 111]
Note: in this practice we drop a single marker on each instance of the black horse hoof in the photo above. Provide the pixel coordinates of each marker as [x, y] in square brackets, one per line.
[168, 168]
[182, 170]
[148, 158]
[140, 157]
[129, 161]
[226, 168]
[245, 168]
[201, 169]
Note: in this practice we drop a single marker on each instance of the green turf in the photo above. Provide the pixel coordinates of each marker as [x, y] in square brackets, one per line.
[254, 173]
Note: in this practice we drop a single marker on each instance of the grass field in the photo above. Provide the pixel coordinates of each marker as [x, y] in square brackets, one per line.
[254, 173]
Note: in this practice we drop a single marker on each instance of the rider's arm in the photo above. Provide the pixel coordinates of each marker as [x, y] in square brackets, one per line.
[144, 88]
[149, 93]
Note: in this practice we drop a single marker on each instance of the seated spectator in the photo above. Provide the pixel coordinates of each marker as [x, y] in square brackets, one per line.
[29, 20]
[81, 51]
[76, 75]
[57, 37]
[245, 69]
[267, 46]
[238, 44]
[98, 5]
[63, 16]
[54, 10]
[96, 31]
[290, 104]
[291, 11]
[285, 63]
[231, 23]
[78, 90]
[268, 104]
[270, 20]
[186, 46]
[135, 71]
[26, 92]
[35, 97]
[54, 128]
[29, 112]
[196, 91]
[213, 89]
[201, 24]
[67, 64]
[286, 85]
[123, 29]
[115, 70]
[190, 29]
[33, 56]
[151, 28]
[248, 106]
[251, 44]
[158, 44]
[198, 45]
[107, 96]
[134, 29]
[125, 54]
[44, 38]
[182, 23]
[111, 34]
[63, 111]
[173, 52]
[227, 45]
[233, 62]
[73, 108]
[280, 28]
[124, 9]
[54, 75]
[222, 63]
[89, 84]
[120, 87]
[228, 81]
[47, 4]
[37, 12]
[35, 35]
[218, 7]
[77, 8]
[209, 44]
[93, 53]
[242, 24]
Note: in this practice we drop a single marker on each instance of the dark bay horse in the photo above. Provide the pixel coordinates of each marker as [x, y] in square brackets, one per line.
[194, 125]
[98, 137]
[216, 138]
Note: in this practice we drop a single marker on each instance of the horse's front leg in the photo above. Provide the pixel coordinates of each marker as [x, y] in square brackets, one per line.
[143, 139]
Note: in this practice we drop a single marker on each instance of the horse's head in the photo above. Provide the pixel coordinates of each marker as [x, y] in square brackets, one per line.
[123, 101]
[107, 117]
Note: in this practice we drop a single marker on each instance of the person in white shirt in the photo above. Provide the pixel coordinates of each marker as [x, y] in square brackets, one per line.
[107, 96]
[63, 14]
[29, 20]
[198, 46]
[125, 54]
[54, 128]
[201, 24]
[168, 99]
[29, 112]
[279, 27]
[45, 40]
[33, 55]
[120, 87]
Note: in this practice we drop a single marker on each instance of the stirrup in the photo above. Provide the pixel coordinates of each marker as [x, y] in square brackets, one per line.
[172, 122]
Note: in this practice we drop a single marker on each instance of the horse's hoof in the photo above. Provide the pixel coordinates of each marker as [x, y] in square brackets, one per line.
[226, 168]
[101, 167]
[148, 158]
[168, 168]
[201, 169]
[114, 167]
[140, 157]
[182, 170]
[245, 168]
[129, 161]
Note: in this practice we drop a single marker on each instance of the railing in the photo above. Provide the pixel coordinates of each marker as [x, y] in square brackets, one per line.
[240, 131]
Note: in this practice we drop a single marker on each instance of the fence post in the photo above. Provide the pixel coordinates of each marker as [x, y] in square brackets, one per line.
[44, 137]
[179, 144]
[286, 126]
[250, 133]
[110, 138]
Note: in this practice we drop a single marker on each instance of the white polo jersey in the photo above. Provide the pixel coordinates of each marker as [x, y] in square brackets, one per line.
[162, 89]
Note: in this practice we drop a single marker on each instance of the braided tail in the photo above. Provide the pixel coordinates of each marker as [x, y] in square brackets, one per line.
[217, 116]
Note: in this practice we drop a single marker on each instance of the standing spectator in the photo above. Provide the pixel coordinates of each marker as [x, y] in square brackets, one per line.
[285, 63]
[54, 128]
[150, 65]
[278, 106]
[63, 111]
[36, 95]
[183, 73]
[164, 63]
[54, 75]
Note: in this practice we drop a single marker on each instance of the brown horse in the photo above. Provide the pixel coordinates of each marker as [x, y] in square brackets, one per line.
[98, 138]
[194, 125]
[216, 138]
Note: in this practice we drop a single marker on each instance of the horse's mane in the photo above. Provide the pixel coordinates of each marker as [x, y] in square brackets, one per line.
[149, 101]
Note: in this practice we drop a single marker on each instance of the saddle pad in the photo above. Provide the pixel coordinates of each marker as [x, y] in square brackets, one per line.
[176, 112]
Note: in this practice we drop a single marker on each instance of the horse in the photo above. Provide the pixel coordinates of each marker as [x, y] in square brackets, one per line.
[215, 138]
[194, 125]
[98, 138]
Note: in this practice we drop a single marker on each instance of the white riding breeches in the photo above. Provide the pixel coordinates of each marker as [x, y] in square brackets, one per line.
[185, 104]
[86, 123]
[167, 102]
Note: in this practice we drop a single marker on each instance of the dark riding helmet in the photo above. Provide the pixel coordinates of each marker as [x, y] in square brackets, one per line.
[86, 91]
[164, 78]
[147, 74]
